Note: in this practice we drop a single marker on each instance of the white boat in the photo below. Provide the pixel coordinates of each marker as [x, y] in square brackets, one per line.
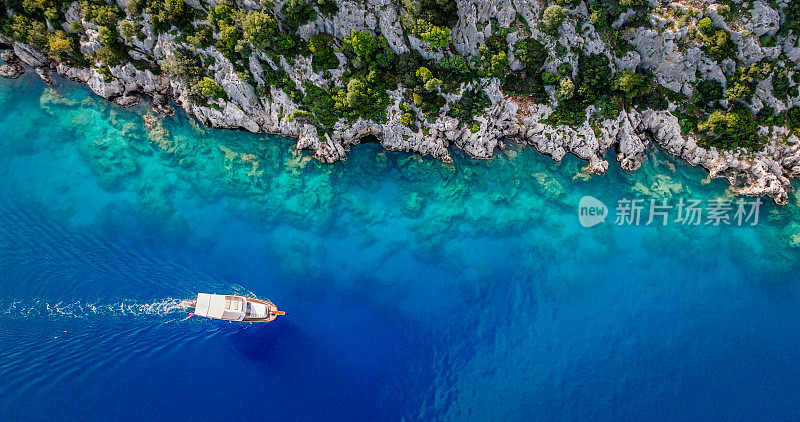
[235, 308]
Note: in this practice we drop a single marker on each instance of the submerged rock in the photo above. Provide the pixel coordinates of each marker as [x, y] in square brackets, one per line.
[671, 49]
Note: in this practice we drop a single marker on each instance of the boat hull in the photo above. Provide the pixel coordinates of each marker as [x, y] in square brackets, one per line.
[235, 308]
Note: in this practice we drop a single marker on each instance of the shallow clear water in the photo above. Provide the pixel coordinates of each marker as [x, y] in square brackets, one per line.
[413, 290]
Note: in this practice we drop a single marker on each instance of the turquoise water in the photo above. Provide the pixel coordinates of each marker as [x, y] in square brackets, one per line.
[413, 290]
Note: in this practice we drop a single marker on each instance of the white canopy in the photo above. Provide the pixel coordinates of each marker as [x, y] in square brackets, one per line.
[229, 308]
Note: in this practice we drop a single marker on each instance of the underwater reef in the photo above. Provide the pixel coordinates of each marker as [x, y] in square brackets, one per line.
[713, 83]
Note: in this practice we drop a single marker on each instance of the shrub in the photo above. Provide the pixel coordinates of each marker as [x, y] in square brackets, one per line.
[569, 113]
[791, 17]
[793, 119]
[707, 93]
[437, 12]
[630, 84]
[706, 26]
[298, 13]
[731, 130]
[184, 65]
[363, 96]
[531, 53]
[29, 31]
[135, 7]
[327, 8]
[321, 104]
[436, 36]
[471, 104]
[281, 80]
[719, 46]
[208, 89]
[260, 29]
[742, 85]
[100, 14]
[407, 119]
[361, 43]
[406, 67]
[594, 76]
[550, 78]
[552, 18]
[424, 74]
[322, 55]
[526, 84]
[453, 68]
[129, 30]
[168, 13]
[566, 89]
[780, 85]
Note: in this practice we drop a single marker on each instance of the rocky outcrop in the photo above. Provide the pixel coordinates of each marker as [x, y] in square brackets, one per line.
[661, 49]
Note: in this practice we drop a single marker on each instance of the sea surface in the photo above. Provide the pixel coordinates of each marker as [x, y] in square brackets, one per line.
[413, 290]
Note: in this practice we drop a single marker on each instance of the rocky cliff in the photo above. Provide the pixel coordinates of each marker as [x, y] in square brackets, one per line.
[713, 83]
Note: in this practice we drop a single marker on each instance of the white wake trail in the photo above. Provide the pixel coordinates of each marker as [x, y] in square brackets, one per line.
[40, 308]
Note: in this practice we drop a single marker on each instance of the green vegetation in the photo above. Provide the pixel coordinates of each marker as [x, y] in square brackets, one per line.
[323, 56]
[791, 18]
[780, 84]
[184, 65]
[321, 104]
[731, 130]
[168, 13]
[793, 119]
[436, 36]
[494, 56]
[297, 13]
[719, 45]
[364, 96]
[552, 18]
[742, 85]
[206, 90]
[707, 94]
[260, 29]
[443, 13]
[469, 106]
[327, 8]
[706, 26]
[370, 70]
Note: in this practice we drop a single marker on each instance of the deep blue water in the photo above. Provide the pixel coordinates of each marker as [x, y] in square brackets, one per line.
[413, 290]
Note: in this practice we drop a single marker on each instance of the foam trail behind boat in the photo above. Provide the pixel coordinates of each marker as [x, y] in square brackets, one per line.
[40, 308]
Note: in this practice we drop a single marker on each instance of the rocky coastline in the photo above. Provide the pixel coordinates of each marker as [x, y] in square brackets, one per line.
[509, 118]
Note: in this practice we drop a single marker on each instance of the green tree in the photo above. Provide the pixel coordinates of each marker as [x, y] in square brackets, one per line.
[531, 53]
[708, 93]
[436, 12]
[327, 8]
[322, 55]
[298, 13]
[185, 65]
[436, 36]
[630, 83]
[362, 43]
[730, 130]
[260, 29]
[129, 30]
[209, 89]
[60, 44]
[552, 18]
[566, 89]
[719, 46]
[706, 26]
[424, 74]
[321, 104]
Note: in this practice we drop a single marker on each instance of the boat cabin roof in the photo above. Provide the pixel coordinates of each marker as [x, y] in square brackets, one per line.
[227, 307]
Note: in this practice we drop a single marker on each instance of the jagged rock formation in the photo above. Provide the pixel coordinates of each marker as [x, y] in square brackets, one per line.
[676, 45]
